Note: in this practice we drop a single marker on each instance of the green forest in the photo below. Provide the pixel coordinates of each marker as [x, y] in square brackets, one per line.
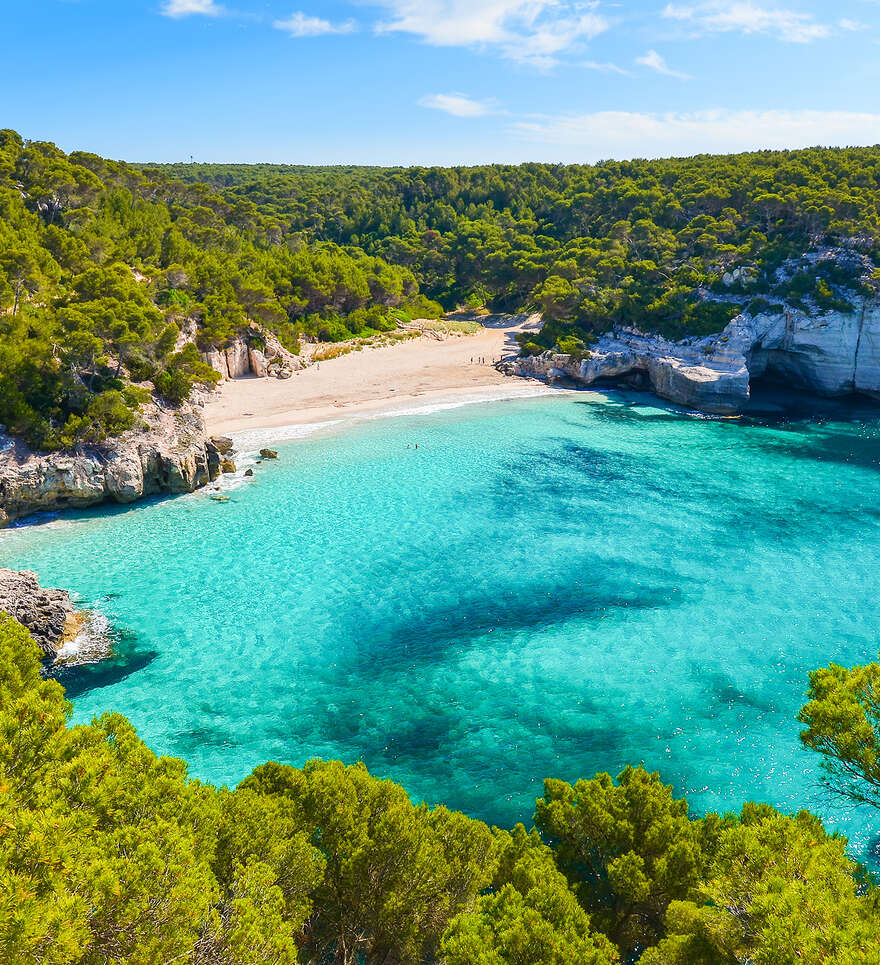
[643, 243]
[109, 854]
[105, 264]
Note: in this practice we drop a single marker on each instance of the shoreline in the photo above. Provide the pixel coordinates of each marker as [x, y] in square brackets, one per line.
[373, 382]
[318, 421]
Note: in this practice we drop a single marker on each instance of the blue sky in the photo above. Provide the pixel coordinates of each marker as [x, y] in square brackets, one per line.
[439, 81]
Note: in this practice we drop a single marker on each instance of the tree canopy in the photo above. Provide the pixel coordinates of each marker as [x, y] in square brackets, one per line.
[107, 275]
[644, 243]
[107, 267]
[109, 854]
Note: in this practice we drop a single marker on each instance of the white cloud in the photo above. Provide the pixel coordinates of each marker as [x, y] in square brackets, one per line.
[459, 105]
[721, 16]
[619, 134]
[302, 25]
[852, 25]
[531, 31]
[606, 68]
[653, 60]
[186, 8]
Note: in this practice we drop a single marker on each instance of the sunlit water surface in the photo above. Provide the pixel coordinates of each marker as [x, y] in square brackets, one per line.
[547, 587]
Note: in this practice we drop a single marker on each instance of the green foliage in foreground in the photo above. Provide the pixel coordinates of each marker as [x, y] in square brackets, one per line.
[109, 854]
[843, 723]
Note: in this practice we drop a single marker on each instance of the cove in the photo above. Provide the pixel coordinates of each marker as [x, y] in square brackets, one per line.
[545, 587]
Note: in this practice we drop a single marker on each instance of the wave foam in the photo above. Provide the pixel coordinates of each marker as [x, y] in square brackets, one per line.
[248, 442]
[93, 643]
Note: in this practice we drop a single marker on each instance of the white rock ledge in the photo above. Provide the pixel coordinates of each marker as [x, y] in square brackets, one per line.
[834, 354]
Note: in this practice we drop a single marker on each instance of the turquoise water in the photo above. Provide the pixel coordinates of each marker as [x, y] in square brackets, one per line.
[545, 587]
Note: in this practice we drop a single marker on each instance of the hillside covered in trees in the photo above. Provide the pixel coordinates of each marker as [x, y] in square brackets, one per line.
[641, 243]
[109, 854]
[105, 266]
[102, 267]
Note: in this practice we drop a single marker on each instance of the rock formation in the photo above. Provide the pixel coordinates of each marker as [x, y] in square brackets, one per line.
[49, 615]
[170, 453]
[831, 354]
[256, 352]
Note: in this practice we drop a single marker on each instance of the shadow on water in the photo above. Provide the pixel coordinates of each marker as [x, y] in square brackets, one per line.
[126, 659]
[632, 407]
[832, 430]
[724, 689]
[595, 463]
[774, 403]
[771, 405]
[841, 448]
[187, 741]
[428, 635]
[101, 511]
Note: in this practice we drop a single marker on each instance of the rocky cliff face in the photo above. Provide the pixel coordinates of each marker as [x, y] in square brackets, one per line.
[243, 356]
[170, 454]
[49, 615]
[834, 354]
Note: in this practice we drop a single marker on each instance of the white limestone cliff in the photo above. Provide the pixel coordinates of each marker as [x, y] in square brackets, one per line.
[256, 352]
[831, 354]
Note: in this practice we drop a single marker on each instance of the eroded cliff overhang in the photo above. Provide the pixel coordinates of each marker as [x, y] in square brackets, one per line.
[831, 354]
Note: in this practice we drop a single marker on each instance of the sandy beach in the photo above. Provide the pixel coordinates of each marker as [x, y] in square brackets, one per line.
[419, 372]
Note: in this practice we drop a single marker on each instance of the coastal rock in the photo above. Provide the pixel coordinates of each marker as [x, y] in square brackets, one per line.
[281, 363]
[241, 356]
[222, 444]
[188, 331]
[218, 449]
[820, 353]
[833, 354]
[237, 362]
[215, 461]
[124, 475]
[171, 456]
[866, 378]
[49, 615]
[269, 453]
[257, 363]
[216, 358]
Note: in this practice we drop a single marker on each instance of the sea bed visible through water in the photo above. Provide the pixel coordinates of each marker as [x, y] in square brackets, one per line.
[544, 587]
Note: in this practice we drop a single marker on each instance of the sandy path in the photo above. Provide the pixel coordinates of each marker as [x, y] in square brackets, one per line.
[422, 370]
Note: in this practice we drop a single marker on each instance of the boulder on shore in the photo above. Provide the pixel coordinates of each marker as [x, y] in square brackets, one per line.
[256, 351]
[269, 453]
[223, 444]
[49, 615]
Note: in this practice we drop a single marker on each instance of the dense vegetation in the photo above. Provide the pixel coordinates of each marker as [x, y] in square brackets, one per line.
[102, 270]
[645, 243]
[108, 270]
[109, 854]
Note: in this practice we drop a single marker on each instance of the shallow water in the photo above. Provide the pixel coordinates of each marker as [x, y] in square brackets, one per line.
[546, 587]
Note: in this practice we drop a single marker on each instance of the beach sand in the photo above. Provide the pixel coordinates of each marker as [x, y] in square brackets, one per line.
[415, 373]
